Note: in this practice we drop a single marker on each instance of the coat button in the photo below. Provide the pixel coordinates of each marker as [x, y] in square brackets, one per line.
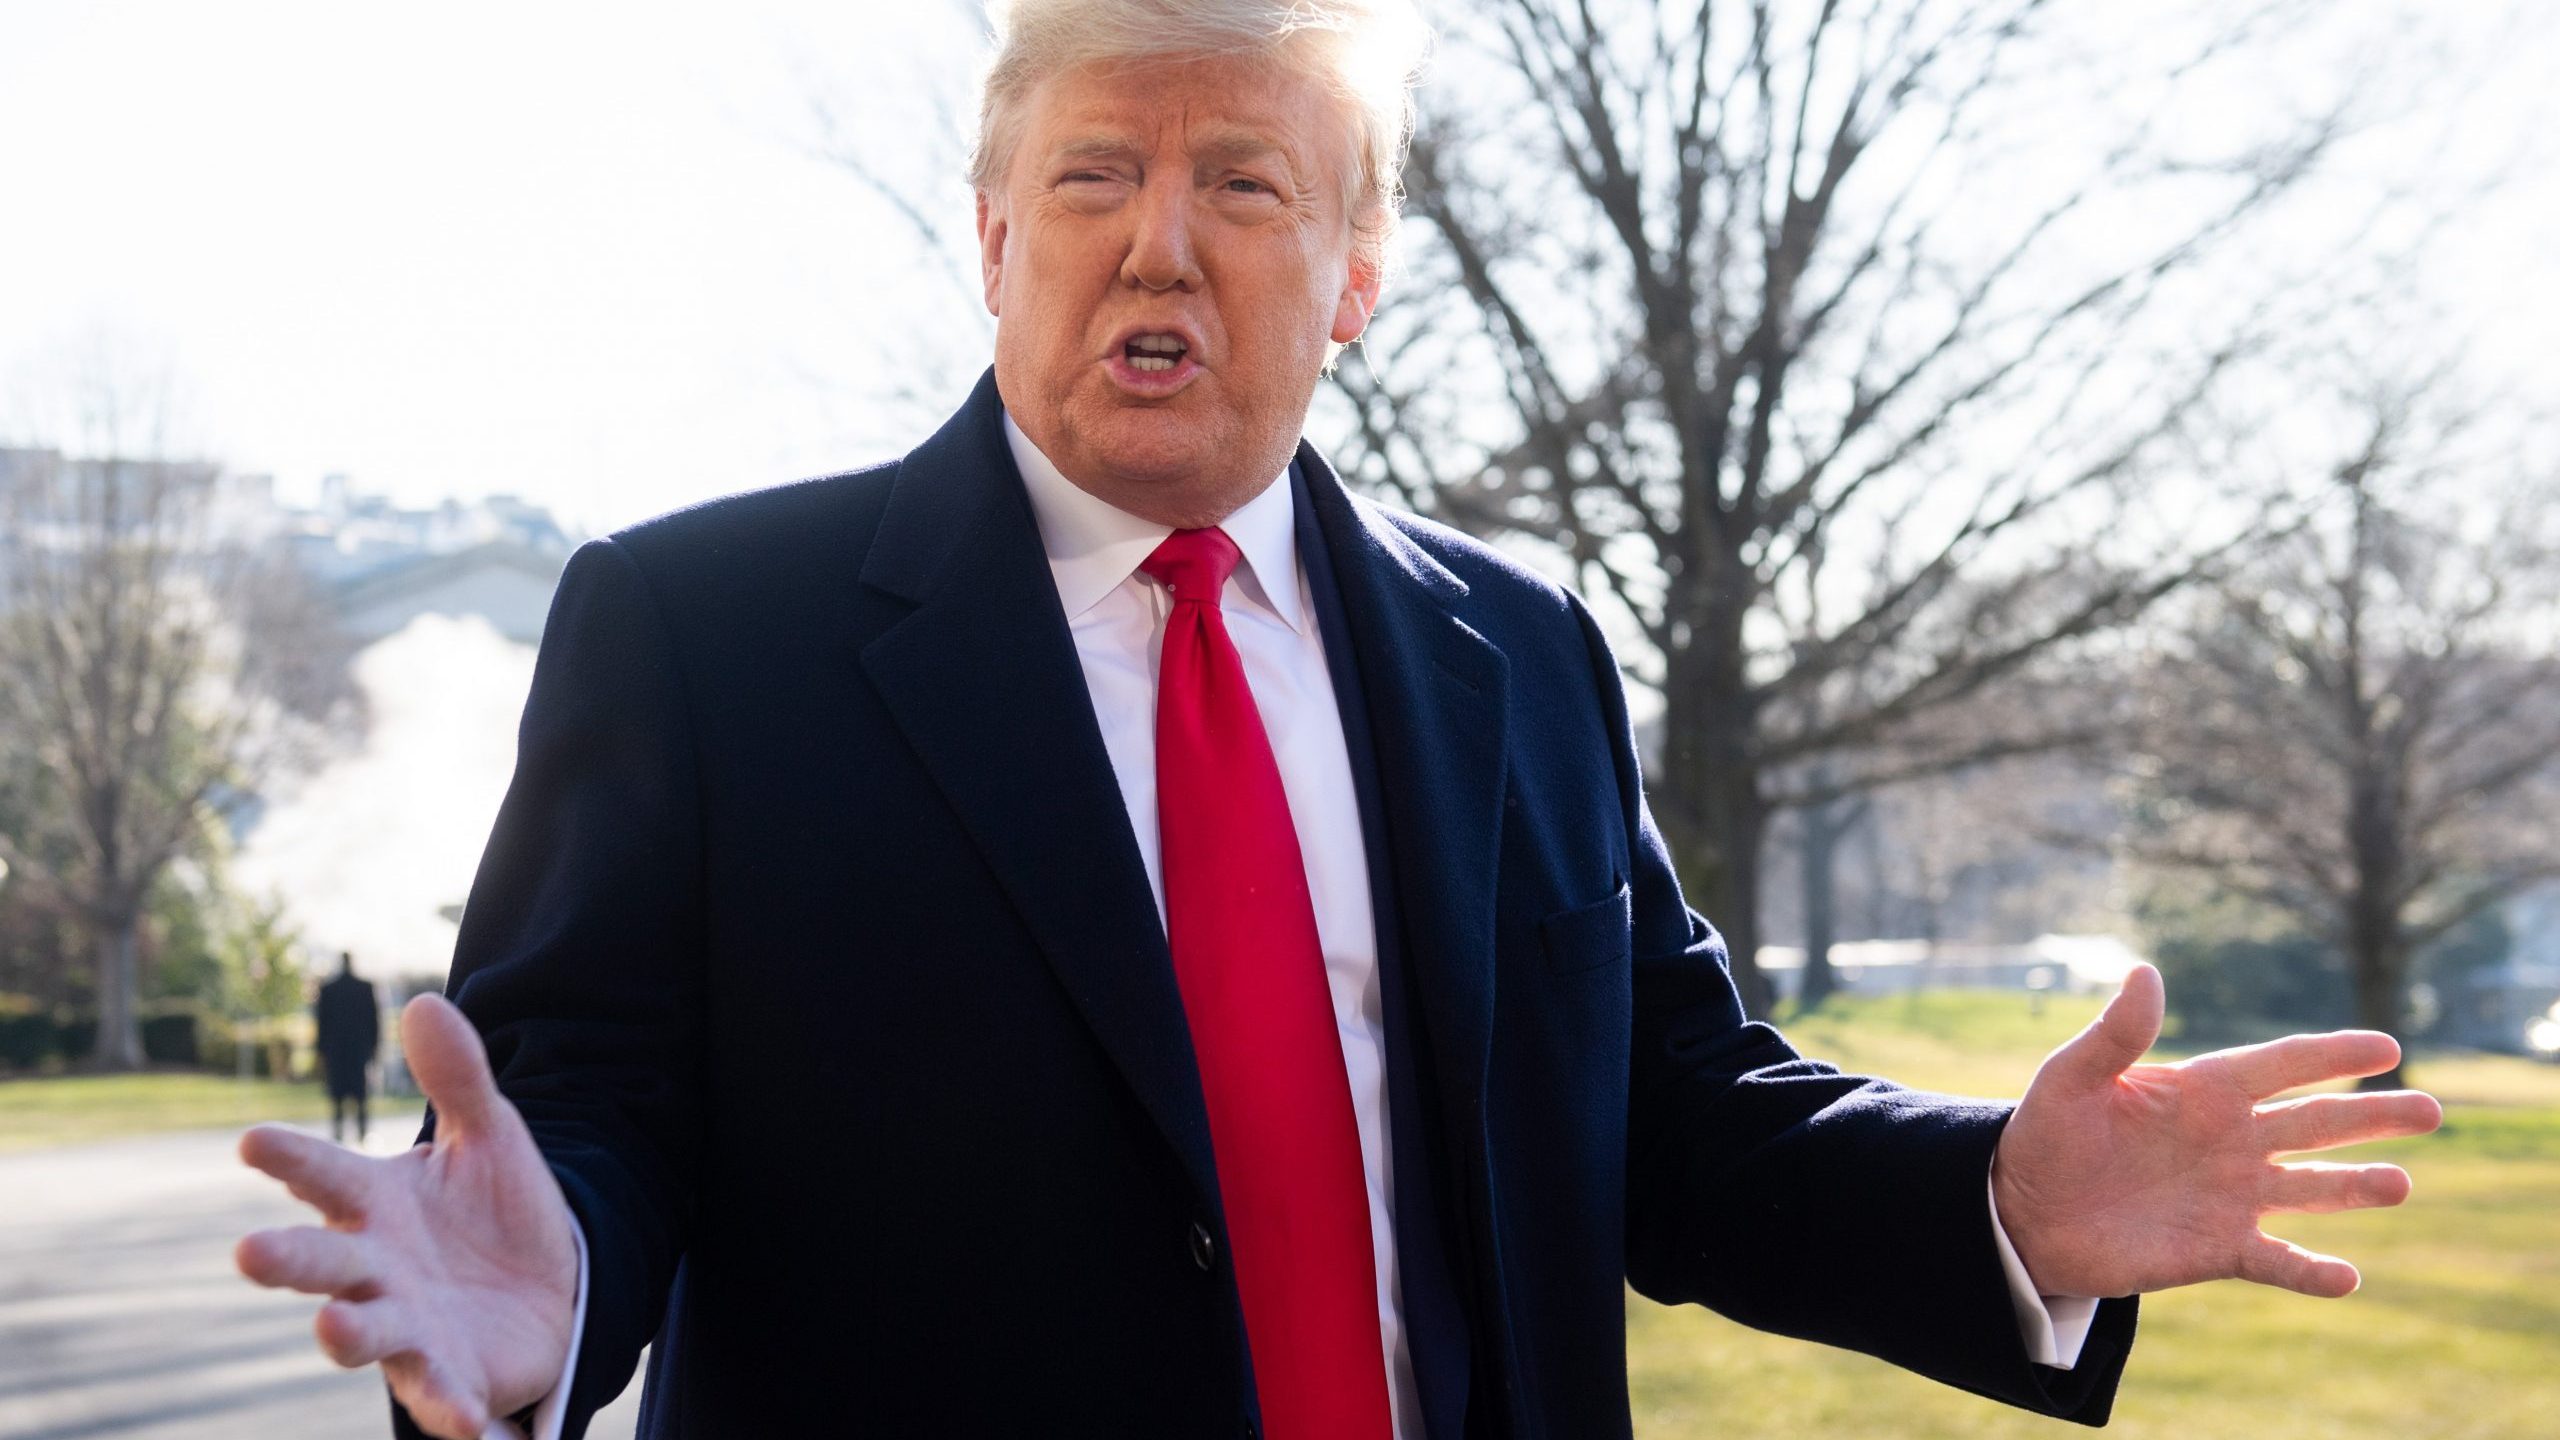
[1204, 1247]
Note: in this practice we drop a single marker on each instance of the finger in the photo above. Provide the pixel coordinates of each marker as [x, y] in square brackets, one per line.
[2296, 1060]
[331, 1177]
[437, 1400]
[2119, 1037]
[314, 1261]
[355, 1333]
[2316, 1187]
[451, 1067]
[2324, 1122]
[2287, 1266]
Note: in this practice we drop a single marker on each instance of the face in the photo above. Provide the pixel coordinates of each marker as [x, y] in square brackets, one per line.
[1167, 257]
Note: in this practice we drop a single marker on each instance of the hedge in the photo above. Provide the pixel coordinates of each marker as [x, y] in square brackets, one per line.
[170, 1038]
[31, 1040]
[26, 1040]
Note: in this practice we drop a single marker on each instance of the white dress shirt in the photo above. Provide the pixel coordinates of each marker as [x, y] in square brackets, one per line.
[1116, 615]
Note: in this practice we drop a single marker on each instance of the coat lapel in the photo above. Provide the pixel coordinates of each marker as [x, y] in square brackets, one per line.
[983, 681]
[1438, 694]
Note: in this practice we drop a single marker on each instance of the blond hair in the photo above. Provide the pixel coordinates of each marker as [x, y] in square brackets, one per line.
[1365, 53]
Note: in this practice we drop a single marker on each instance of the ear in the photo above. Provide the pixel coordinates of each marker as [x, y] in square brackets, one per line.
[991, 228]
[1357, 302]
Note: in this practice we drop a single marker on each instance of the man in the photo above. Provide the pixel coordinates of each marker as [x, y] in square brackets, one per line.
[1092, 929]
[350, 1032]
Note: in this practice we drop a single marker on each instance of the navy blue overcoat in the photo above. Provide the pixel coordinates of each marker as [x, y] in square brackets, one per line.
[813, 943]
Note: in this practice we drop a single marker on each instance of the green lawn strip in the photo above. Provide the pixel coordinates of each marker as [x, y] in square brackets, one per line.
[2453, 1334]
[76, 1109]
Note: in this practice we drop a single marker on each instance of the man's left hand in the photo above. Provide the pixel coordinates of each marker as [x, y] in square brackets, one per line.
[2115, 1177]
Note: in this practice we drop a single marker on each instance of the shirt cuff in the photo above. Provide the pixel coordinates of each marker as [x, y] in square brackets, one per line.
[553, 1408]
[2054, 1327]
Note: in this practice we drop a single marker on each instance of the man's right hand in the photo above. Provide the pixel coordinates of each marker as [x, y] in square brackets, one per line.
[453, 1265]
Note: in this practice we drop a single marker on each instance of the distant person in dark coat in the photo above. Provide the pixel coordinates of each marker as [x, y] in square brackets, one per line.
[350, 1032]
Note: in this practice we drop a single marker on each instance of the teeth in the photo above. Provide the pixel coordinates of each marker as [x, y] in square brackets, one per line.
[1150, 362]
[1157, 344]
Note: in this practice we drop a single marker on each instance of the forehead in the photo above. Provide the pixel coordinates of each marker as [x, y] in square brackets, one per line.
[1200, 107]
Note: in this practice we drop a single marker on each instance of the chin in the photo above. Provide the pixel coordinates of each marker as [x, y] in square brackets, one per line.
[1156, 445]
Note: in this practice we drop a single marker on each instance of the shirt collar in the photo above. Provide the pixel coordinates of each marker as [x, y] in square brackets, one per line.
[1093, 544]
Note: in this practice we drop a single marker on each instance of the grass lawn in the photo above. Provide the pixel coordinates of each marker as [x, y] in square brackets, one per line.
[73, 1109]
[2456, 1332]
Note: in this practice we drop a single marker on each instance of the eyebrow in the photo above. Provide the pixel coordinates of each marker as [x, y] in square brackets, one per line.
[1239, 144]
[1220, 146]
[1095, 147]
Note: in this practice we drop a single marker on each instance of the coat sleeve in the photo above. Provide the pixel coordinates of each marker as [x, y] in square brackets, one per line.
[580, 954]
[1788, 1196]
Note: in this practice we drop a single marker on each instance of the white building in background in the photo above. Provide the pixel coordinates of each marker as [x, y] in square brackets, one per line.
[498, 557]
[2070, 964]
[348, 533]
[503, 582]
[374, 852]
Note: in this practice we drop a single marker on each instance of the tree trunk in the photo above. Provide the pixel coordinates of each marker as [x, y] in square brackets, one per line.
[1723, 821]
[1747, 830]
[119, 987]
[2381, 985]
[1719, 873]
[2378, 964]
[1713, 813]
[1818, 855]
[1710, 805]
[2377, 947]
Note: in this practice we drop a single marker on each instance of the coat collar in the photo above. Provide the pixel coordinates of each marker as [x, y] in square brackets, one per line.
[982, 679]
[1438, 697]
[1094, 545]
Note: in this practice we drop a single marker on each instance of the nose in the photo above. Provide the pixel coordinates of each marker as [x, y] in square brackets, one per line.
[1161, 255]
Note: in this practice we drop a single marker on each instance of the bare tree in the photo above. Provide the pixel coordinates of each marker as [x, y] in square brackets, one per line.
[935, 333]
[1821, 826]
[1838, 351]
[1954, 799]
[2363, 729]
[155, 671]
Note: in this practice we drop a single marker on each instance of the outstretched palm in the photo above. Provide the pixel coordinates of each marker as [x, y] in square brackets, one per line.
[2116, 1177]
[453, 1265]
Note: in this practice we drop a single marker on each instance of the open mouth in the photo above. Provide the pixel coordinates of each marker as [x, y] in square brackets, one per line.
[1153, 353]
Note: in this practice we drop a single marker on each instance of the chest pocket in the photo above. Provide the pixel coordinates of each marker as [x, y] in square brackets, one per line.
[1589, 936]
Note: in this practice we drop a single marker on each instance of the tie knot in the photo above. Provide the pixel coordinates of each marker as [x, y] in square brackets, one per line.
[1194, 564]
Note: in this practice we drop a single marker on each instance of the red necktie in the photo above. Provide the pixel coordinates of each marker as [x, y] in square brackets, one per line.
[1252, 974]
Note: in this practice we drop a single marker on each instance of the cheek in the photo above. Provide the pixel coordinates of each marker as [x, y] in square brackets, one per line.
[1053, 270]
[1054, 318]
[1321, 277]
[1299, 322]
[1288, 310]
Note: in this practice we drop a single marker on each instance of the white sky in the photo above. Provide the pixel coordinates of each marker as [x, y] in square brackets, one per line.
[579, 252]
[570, 251]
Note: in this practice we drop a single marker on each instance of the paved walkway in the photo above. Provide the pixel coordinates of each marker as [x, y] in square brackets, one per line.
[121, 1315]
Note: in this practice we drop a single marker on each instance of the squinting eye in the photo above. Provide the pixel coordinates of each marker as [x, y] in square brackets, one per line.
[1251, 187]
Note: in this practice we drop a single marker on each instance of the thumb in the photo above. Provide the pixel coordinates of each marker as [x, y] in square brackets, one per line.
[2119, 1036]
[451, 1066]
